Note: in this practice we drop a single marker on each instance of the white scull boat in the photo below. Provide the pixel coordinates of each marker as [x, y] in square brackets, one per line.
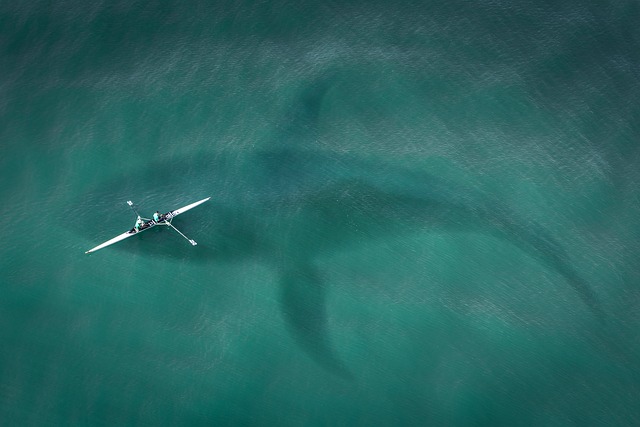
[149, 223]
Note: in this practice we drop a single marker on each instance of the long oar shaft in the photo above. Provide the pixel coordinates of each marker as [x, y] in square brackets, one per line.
[132, 206]
[193, 242]
[130, 203]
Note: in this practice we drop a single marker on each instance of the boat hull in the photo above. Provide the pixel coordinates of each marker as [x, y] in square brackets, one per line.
[165, 218]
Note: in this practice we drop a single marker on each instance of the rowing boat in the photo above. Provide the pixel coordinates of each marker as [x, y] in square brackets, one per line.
[164, 219]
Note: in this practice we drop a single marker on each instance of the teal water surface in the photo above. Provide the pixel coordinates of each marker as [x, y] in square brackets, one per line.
[423, 213]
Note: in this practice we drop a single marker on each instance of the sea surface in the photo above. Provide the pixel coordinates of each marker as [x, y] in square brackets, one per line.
[422, 213]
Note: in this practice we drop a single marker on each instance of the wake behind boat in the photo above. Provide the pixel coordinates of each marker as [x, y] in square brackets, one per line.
[143, 224]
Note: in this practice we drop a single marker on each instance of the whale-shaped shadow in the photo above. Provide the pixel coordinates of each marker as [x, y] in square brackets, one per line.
[297, 205]
[287, 205]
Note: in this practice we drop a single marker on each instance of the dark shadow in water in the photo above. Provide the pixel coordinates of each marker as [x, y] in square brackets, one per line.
[354, 210]
[533, 239]
[321, 216]
[293, 205]
[301, 122]
[304, 308]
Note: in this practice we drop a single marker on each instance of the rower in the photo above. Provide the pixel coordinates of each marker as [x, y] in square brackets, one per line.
[139, 224]
[156, 216]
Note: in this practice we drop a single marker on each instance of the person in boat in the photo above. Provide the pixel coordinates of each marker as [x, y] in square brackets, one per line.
[156, 216]
[139, 224]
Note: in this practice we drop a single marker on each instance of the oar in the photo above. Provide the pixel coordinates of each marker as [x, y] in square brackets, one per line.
[130, 203]
[193, 242]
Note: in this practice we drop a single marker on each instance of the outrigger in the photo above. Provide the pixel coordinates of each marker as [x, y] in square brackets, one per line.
[148, 223]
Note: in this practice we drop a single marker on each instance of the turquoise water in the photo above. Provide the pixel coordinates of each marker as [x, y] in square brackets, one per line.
[421, 214]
